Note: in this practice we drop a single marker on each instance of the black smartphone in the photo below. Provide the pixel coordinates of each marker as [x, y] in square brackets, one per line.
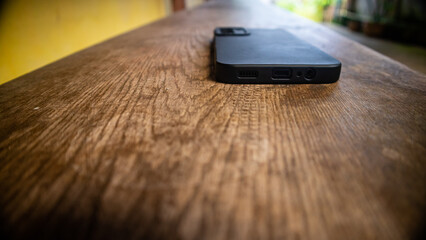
[269, 56]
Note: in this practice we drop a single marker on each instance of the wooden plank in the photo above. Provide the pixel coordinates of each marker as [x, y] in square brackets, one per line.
[132, 138]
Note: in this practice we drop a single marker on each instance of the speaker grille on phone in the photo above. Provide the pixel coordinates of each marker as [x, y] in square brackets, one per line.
[248, 74]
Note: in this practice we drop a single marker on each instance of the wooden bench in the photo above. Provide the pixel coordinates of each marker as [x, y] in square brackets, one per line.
[133, 138]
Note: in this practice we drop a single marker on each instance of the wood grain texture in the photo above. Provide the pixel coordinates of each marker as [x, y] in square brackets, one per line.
[132, 138]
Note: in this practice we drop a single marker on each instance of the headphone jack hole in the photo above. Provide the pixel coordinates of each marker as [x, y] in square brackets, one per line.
[310, 74]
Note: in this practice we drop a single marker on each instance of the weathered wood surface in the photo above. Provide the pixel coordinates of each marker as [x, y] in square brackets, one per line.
[132, 138]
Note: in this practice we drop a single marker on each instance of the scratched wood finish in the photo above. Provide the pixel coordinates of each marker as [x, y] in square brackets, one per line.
[132, 138]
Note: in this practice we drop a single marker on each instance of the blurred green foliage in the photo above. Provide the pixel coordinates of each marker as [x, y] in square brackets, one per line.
[312, 9]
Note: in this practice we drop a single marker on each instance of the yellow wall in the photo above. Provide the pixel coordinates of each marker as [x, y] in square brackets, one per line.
[34, 33]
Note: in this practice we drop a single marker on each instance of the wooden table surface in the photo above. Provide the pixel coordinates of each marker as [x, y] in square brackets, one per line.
[132, 138]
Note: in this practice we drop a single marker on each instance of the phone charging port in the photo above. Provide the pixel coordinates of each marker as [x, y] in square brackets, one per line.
[281, 74]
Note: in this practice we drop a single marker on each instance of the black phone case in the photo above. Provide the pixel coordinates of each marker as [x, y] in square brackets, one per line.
[269, 56]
